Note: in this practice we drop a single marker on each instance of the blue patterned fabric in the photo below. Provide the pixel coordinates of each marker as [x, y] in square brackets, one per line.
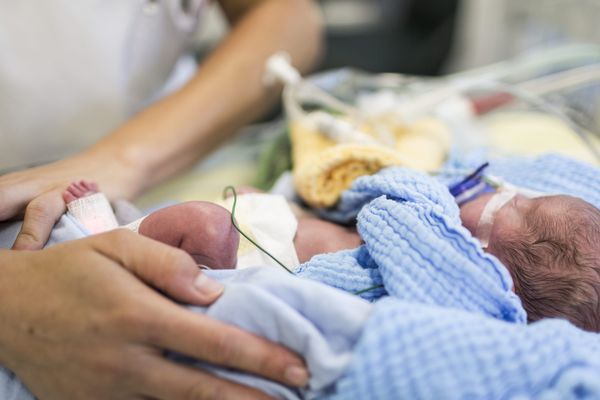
[416, 245]
[414, 351]
[550, 173]
[451, 327]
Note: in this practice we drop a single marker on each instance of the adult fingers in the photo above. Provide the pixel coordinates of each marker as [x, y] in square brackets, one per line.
[40, 216]
[14, 196]
[181, 330]
[165, 380]
[175, 328]
[163, 267]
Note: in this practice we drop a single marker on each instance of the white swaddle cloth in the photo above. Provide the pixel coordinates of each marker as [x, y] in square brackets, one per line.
[270, 222]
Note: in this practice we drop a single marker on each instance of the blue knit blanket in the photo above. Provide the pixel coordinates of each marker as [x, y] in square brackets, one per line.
[447, 324]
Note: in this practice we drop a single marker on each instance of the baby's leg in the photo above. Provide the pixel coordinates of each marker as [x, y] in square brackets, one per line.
[316, 236]
[202, 229]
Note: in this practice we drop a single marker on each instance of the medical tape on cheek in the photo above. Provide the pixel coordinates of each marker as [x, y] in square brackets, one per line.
[486, 221]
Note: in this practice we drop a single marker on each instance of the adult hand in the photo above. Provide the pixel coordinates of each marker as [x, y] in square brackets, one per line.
[37, 192]
[76, 324]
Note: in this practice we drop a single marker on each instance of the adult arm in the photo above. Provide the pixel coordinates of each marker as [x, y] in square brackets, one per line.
[78, 322]
[172, 134]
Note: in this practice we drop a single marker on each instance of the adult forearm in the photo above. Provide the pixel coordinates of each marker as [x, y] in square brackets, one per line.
[226, 93]
[172, 134]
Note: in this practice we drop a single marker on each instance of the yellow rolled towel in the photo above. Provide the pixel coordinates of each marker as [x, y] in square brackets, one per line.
[424, 144]
[323, 168]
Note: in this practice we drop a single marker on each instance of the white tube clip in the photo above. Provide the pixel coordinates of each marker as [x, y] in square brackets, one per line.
[278, 68]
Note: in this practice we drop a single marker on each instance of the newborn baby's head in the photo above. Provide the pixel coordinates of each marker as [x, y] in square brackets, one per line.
[551, 246]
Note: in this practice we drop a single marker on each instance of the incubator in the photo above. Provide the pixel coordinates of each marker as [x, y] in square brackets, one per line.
[347, 123]
[530, 105]
[561, 83]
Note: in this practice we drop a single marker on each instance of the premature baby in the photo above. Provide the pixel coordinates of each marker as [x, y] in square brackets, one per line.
[549, 244]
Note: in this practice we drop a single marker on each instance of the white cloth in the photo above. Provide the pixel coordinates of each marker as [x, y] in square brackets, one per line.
[135, 225]
[71, 71]
[270, 222]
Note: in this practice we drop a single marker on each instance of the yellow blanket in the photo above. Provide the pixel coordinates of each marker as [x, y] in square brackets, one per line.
[323, 169]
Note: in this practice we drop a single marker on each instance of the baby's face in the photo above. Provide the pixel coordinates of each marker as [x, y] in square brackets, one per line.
[518, 215]
[525, 215]
[549, 246]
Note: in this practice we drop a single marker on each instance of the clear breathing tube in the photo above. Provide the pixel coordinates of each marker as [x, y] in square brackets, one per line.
[298, 91]
[548, 107]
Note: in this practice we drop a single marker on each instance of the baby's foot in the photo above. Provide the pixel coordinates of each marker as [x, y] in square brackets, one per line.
[77, 190]
[90, 207]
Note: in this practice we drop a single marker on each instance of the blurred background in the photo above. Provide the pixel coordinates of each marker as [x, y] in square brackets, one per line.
[432, 37]
[522, 39]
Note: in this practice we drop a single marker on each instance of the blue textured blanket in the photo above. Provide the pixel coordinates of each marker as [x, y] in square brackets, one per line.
[451, 326]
